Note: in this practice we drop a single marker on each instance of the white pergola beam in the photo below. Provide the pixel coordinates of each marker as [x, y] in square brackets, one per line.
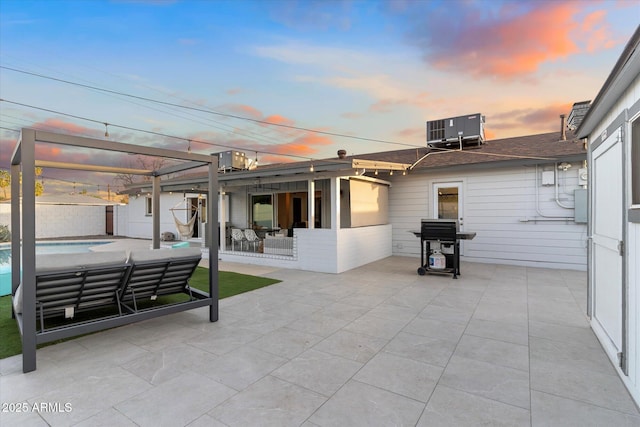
[92, 168]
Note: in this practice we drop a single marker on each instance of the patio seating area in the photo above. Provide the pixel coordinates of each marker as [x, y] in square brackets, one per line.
[377, 345]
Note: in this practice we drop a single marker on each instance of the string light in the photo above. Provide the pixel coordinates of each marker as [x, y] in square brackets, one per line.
[311, 168]
[256, 158]
[391, 172]
[106, 130]
[189, 147]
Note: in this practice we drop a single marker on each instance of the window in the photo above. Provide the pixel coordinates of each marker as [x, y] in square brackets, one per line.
[148, 206]
[635, 162]
[262, 211]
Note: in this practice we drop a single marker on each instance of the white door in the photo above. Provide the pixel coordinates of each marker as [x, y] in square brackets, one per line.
[608, 282]
[447, 201]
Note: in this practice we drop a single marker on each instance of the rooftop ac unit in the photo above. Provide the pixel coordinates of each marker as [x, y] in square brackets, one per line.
[448, 133]
[232, 160]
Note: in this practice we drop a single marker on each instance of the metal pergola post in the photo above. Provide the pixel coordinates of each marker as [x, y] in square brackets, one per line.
[212, 236]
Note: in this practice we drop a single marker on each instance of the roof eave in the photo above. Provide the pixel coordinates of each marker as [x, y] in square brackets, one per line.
[627, 68]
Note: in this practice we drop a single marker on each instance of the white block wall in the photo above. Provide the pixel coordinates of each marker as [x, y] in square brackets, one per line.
[500, 206]
[325, 250]
[63, 220]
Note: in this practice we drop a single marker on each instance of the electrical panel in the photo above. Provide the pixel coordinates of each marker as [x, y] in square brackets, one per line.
[548, 177]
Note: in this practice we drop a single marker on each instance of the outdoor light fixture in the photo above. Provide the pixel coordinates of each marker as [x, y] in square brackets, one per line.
[311, 168]
[391, 172]
[189, 146]
[106, 130]
[376, 172]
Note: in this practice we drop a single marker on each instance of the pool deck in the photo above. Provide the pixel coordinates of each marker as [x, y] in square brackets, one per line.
[375, 346]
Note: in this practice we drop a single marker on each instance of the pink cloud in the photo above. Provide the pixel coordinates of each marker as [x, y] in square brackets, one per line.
[412, 133]
[303, 146]
[57, 125]
[534, 120]
[279, 120]
[244, 111]
[511, 42]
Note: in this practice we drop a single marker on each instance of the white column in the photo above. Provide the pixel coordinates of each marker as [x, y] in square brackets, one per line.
[335, 203]
[311, 203]
[223, 220]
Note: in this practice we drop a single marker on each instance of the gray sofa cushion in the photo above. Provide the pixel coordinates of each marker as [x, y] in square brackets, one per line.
[17, 300]
[163, 254]
[50, 263]
[59, 262]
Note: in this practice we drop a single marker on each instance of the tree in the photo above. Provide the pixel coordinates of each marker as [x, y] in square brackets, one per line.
[142, 162]
[39, 185]
[5, 181]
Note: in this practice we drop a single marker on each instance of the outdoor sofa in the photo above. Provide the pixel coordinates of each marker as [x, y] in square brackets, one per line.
[68, 284]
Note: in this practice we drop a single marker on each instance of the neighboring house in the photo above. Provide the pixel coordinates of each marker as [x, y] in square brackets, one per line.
[612, 127]
[68, 215]
[517, 194]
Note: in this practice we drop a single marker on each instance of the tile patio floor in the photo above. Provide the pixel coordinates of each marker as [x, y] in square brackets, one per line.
[378, 345]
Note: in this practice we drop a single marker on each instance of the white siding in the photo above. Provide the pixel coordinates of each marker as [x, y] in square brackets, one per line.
[500, 206]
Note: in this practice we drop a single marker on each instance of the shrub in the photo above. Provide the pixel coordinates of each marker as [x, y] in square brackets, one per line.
[5, 233]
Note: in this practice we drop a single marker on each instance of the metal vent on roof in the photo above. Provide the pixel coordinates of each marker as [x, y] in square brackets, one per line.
[577, 113]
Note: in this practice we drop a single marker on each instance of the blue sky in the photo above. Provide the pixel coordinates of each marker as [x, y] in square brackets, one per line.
[371, 69]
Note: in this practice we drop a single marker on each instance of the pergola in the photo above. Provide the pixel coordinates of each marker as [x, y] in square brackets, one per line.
[23, 226]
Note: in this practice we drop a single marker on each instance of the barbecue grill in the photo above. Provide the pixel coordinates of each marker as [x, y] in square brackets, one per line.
[441, 231]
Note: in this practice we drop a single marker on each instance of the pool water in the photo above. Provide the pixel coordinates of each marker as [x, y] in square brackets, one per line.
[41, 248]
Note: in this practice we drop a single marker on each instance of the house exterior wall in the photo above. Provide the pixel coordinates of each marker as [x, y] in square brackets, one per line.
[500, 206]
[140, 224]
[63, 220]
[630, 98]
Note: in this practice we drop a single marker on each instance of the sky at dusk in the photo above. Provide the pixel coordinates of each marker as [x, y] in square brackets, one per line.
[356, 70]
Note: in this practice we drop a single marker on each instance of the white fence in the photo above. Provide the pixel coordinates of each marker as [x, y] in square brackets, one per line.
[278, 245]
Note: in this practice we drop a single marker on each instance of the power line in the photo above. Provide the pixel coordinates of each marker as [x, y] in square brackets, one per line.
[341, 135]
[181, 138]
[192, 117]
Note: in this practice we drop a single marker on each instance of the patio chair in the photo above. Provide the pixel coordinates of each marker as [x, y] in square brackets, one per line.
[237, 236]
[66, 285]
[252, 238]
[159, 272]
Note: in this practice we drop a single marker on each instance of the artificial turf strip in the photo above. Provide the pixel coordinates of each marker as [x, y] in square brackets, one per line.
[229, 284]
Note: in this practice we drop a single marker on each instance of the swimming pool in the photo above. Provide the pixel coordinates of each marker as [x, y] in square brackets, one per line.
[41, 248]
